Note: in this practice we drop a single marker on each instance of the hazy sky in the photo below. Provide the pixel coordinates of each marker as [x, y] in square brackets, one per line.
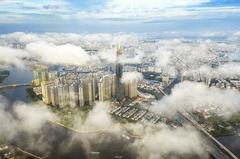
[119, 15]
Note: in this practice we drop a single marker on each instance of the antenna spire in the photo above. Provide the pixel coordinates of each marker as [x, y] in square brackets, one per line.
[119, 48]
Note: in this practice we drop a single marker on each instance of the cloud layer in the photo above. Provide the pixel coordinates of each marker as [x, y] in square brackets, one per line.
[193, 96]
[10, 56]
[96, 130]
[61, 54]
[172, 55]
[130, 76]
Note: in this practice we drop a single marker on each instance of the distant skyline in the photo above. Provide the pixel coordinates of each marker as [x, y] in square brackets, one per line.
[90, 16]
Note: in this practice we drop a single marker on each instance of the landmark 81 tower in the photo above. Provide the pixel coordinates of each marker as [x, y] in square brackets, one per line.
[119, 85]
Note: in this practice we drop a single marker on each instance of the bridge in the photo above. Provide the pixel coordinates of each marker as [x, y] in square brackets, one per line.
[11, 86]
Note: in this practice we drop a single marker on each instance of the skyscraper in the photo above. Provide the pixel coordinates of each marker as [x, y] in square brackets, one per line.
[130, 88]
[88, 91]
[66, 95]
[54, 95]
[119, 86]
[80, 95]
[46, 94]
[73, 95]
[100, 91]
[39, 74]
[133, 89]
[113, 87]
[60, 90]
[105, 88]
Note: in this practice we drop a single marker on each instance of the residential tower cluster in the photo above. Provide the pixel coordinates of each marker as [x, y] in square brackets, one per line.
[79, 89]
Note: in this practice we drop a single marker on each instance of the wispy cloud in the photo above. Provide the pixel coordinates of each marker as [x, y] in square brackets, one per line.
[17, 10]
[113, 10]
[142, 9]
[148, 10]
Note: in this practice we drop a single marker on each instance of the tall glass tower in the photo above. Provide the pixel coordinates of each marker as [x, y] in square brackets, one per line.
[119, 67]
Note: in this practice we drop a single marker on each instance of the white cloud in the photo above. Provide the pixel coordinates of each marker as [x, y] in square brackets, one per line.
[188, 96]
[33, 117]
[108, 55]
[150, 10]
[136, 58]
[26, 38]
[235, 36]
[214, 34]
[36, 7]
[112, 10]
[187, 55]
[130, 76]
[228, 70]
[21, 37]
[104, 131]
[65, 48]
[59, 54]
[178, 141]
[99, 117]
[135, 9]
[159, 144]
[24, 119]
[10, 56]
[124, 5]
[163, 57]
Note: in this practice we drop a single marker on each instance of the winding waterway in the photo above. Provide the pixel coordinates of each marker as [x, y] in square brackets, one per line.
[17, 76]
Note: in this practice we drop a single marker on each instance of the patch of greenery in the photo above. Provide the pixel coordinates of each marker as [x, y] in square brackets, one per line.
[223, 126]
[3, 75]
[31, 95]
[69, 115]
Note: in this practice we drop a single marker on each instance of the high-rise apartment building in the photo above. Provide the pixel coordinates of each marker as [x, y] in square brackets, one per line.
[113, 81]
[54, 95]
[73, 95]
[80, 95]
[130, 88]
[40, 73]
[46, 94]
[107, 87]
[73, 90]
[61, 95]
[88, 91]
[101, 91]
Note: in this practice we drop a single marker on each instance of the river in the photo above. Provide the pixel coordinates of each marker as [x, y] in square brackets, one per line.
[232, 143]
[17, 76]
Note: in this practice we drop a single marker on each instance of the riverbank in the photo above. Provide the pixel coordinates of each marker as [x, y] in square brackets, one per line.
[232, 143]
